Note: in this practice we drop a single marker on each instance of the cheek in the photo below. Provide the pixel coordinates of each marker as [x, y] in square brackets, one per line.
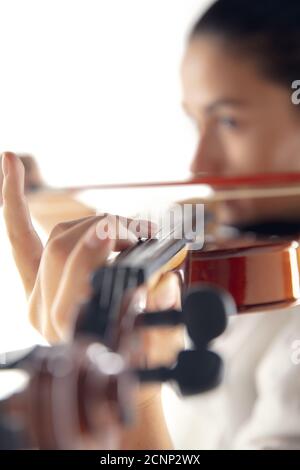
[243, 154]
[274, 144]
[258, 150]
[285, 151]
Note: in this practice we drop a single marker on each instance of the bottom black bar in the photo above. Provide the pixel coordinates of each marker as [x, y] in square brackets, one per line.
[133, 459]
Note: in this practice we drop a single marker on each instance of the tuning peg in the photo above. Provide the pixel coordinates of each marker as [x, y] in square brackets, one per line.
[205, 309]
[196, 371]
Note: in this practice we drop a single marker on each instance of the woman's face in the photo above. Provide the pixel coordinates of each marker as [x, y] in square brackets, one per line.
[246, 123]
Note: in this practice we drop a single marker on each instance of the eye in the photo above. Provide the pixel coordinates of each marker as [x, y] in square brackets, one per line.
[228, 122]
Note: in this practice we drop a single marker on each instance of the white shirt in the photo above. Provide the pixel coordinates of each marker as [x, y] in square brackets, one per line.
[257, 406]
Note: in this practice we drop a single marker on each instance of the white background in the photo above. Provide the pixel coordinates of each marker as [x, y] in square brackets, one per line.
[91, 88]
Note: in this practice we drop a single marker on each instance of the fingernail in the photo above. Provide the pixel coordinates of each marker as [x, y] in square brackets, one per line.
[5, 165]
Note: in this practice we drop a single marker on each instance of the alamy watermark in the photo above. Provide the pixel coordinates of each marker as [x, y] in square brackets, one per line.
[179, 222]
[296, 94]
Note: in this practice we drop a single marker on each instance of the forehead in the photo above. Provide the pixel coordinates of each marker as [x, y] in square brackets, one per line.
[210, 72]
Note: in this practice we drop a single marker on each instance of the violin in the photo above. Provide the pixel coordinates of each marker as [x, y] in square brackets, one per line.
[80, 394]
[109, 324]
[258, 266]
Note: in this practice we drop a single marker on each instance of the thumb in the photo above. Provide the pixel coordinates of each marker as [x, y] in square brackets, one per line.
[26, 245]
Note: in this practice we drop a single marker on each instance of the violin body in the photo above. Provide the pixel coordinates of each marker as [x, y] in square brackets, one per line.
[260, 275]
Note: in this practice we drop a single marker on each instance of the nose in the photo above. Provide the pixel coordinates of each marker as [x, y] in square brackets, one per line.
[208, 156]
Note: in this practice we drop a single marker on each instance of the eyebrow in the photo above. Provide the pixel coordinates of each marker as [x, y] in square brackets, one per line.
[222, 102]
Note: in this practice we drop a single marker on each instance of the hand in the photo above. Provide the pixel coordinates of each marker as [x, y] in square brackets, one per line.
[56, 278]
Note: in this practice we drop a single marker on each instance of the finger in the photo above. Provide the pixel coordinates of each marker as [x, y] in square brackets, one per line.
[90, 253]
[56, 253]
[63, 226]
[66, 235]
[140, 227]
[121, 228]
[165, 294]
[26, 245]
[59, 248]
[162, 344]
[73, 229]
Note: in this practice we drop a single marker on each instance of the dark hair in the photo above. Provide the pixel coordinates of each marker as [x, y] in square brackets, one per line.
[267, 31]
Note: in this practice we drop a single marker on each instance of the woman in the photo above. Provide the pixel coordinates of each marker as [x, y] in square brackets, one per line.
[237, 73]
